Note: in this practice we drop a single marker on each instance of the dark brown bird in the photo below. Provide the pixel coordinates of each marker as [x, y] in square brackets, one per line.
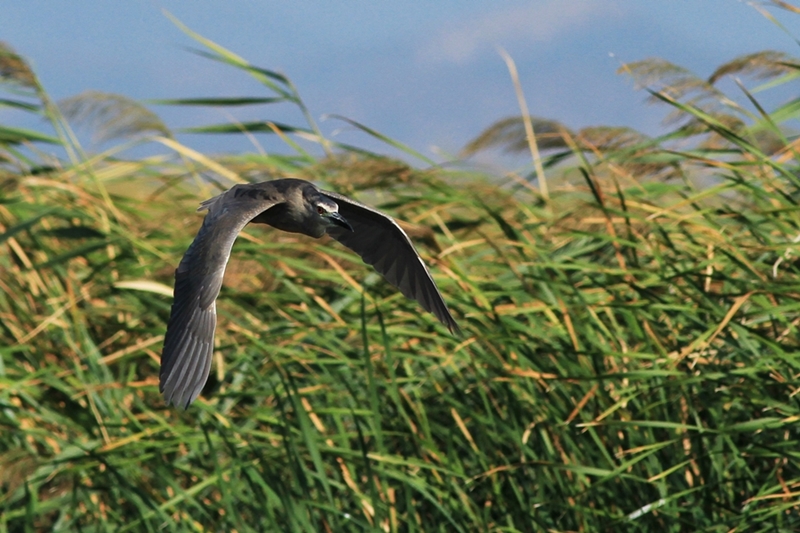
[291, 205]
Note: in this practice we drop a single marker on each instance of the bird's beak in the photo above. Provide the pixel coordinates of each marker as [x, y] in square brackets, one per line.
[339, 220]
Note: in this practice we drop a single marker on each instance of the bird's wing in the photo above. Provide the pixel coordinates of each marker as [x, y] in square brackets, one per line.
[189, 341]
[380, 242]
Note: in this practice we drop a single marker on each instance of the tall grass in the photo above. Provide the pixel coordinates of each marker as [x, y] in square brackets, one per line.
[629, 357]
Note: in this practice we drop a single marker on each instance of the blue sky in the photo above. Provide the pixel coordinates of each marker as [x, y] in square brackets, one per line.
[425, 73]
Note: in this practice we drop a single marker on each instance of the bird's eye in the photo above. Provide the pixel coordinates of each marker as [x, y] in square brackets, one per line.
[320, 210]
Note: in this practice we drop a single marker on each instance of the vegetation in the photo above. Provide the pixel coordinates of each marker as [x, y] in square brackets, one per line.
[629, 360]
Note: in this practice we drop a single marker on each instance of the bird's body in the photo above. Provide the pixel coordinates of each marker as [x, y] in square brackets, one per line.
[290, 205]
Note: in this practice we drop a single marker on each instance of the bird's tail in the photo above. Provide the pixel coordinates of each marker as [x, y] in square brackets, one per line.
[206, 204]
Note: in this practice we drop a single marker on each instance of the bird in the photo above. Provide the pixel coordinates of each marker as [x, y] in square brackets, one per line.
[292, 205]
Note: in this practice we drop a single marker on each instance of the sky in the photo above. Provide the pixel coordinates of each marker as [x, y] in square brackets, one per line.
[427, 74]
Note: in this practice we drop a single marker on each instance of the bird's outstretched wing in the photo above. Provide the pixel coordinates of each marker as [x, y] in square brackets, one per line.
[380, 242]
[189, 341]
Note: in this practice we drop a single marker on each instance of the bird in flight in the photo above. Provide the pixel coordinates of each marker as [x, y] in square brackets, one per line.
[292, 205]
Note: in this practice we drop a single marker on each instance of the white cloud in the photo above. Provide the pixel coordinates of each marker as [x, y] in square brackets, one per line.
[538, 21]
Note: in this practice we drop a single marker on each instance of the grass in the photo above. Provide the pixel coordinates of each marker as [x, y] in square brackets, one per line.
[628, 363]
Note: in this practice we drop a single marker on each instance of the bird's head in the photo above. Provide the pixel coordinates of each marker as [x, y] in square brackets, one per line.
[328, 211]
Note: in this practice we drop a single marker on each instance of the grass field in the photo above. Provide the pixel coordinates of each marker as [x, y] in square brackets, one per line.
[629, 358]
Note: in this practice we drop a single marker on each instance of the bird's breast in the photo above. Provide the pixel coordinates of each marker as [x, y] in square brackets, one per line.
[285, 219]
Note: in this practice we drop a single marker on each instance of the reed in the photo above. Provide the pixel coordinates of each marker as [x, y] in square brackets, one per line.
[629, 359]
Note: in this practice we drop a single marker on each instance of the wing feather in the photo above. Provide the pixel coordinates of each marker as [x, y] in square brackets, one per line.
[380, 242]
[189, 341]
